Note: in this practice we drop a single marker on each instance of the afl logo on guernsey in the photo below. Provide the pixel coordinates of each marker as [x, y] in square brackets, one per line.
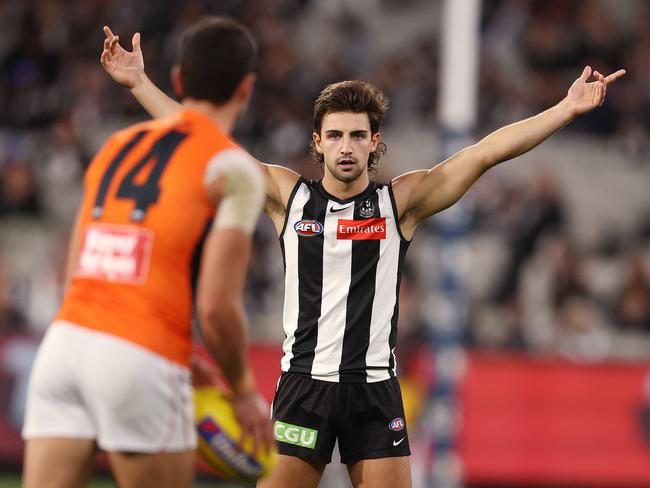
[308, 228]
[396, 424]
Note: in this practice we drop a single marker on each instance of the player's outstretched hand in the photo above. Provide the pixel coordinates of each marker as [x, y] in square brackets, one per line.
[252, 412]
[585, 95]
[127, 68]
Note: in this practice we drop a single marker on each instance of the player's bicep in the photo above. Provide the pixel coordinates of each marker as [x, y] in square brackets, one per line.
[444, 184]
[235, 182]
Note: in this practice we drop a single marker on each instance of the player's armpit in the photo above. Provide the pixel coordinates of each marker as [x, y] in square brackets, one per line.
[280, 182]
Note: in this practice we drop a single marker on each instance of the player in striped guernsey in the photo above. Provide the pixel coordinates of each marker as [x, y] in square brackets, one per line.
[344, 239]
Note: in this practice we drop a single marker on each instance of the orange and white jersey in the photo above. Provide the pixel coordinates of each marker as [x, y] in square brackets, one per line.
[141, 224]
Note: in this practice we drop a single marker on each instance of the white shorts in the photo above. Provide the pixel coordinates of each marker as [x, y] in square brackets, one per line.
[91, 385]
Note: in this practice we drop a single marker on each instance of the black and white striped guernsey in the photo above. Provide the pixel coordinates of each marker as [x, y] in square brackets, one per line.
[342, 262]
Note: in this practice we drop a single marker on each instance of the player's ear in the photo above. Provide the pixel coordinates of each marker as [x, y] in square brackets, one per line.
[316, 138]
[245, 88]
[177, 82]
[375, 140]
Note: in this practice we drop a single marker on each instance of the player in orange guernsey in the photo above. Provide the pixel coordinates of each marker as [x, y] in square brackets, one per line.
[113, 369]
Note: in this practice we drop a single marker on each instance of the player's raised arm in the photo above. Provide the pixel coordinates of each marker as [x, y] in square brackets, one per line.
[236, 183]
[423, 193]
[127, 68]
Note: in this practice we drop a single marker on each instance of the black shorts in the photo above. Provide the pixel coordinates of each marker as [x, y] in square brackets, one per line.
[366, 418]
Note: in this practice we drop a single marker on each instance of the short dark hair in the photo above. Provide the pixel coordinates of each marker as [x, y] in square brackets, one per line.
[352, 96]
[215, 55]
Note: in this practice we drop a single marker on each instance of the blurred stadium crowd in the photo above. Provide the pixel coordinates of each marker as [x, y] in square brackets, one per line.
[560, 246]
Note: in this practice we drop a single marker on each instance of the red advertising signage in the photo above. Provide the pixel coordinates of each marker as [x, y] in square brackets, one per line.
[525, 422]
[546, 423]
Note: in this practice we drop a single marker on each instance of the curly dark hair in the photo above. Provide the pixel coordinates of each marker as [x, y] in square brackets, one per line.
[352, 96]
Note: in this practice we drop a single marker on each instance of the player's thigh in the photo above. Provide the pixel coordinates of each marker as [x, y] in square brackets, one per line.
[58, 462]
[165, 470]
[293, 472]
[387, 472]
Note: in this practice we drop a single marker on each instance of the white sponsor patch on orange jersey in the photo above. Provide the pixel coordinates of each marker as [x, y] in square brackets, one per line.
[115, 253]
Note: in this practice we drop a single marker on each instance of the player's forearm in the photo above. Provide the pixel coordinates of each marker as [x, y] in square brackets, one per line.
[224, 333]
[153, 99]
[516, 139]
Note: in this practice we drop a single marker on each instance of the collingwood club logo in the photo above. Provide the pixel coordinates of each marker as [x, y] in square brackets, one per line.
[367, 209]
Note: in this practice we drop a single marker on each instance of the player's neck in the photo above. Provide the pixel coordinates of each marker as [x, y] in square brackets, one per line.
[345, 189]
[225, 116]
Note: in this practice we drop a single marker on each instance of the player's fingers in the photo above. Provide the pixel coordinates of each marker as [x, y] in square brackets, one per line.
[107, 31]
[259, 443]
[246, 431]
[615, 76]
[105, 57]
[263, 435]
[260, 439]
[599, 94]
[114, 42]
[136, 42]
[586, 73]
[253, 434]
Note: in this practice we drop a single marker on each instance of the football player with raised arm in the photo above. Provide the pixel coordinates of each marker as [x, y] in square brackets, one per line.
[344, 238]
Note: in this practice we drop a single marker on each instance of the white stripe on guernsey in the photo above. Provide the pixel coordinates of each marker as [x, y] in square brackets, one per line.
[291, 300]
[337, 273]
[385, 289]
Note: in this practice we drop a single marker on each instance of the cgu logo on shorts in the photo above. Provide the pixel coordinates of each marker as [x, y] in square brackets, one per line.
[361, 230]
[308, 228]
[396, 424]
[294, 434]
[116, 253]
